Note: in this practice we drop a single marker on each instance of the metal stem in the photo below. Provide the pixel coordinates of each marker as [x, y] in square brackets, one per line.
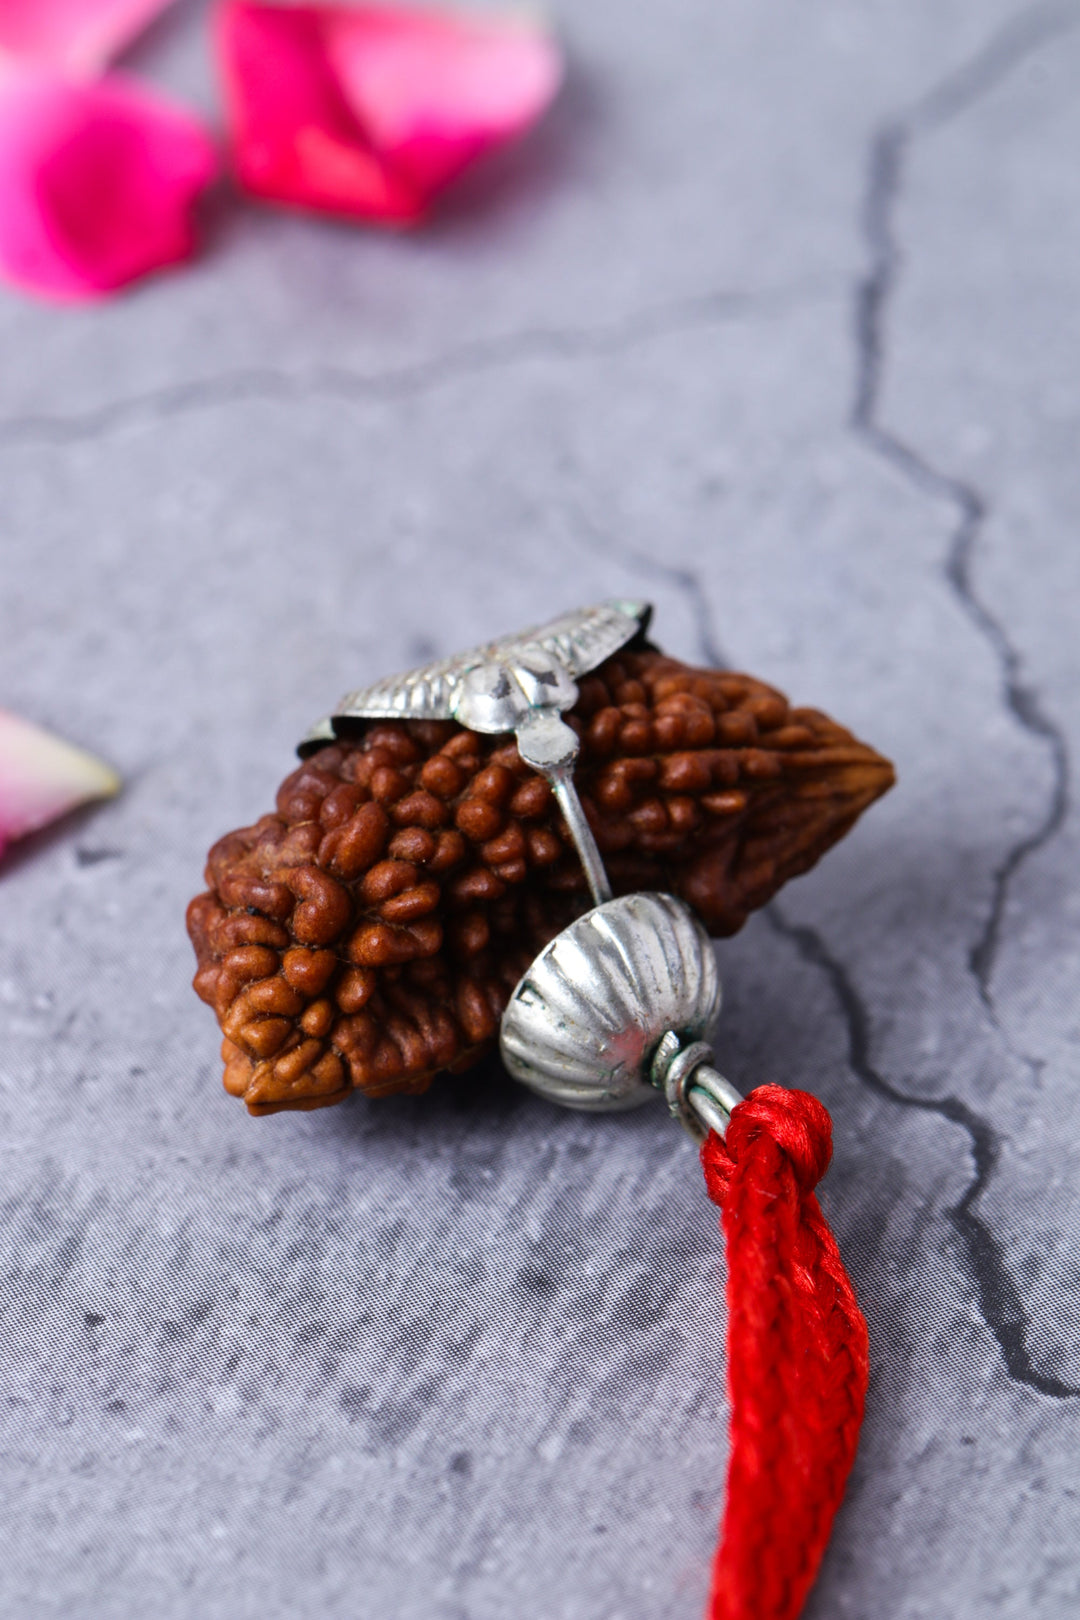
[551, 747]
[562, 781]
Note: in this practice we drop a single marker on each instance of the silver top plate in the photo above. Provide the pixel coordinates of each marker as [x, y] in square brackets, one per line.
[578, 642]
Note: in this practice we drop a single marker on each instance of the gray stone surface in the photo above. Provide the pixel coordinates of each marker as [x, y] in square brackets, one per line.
[776, 322]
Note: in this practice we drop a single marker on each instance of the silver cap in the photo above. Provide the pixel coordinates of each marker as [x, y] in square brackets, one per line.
[584, 1023]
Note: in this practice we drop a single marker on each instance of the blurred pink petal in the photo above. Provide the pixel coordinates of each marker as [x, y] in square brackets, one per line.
[70, 36]
[369, 111]
[42, 778]
[97, 183]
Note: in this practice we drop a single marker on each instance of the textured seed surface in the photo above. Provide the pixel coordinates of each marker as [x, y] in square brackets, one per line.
[368, 934]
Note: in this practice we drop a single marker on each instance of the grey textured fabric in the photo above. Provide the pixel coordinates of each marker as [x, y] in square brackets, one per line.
[775, 322]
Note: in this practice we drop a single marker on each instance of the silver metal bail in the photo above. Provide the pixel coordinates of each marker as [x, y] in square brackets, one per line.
[527, 697]
[520, 684]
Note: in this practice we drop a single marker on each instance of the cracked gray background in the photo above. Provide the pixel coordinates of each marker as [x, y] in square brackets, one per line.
[775, 322]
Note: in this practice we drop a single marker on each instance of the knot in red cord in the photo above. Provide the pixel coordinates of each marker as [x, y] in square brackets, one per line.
[798, 1124]
[795, 1120]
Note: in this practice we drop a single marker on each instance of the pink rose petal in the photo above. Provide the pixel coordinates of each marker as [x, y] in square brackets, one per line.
[434, 92]
[42, 778]
[369, 111]
[70, 36]
[97, 183]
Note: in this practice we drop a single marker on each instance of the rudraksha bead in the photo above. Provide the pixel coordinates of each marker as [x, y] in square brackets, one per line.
[367, 934]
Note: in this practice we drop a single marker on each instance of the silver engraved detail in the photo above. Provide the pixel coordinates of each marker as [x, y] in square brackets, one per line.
[496, 697]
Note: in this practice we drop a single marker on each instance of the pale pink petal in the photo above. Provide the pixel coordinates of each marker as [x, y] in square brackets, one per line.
[434, 91]
[70, 36]
[97, 184]
[42, 778]
[370, 110]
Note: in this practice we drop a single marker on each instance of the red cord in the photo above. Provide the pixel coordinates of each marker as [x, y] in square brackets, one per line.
[797, 1355]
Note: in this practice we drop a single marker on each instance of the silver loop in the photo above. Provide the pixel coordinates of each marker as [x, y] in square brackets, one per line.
[697, 1094]
[679, 1071]
[712, 1100]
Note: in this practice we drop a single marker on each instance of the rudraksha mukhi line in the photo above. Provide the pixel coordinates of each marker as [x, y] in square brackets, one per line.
[369, 934]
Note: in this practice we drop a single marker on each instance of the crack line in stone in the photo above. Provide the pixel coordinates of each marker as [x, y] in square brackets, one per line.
[1010, 46]
[407, 381]
[999, 1297]
[687, 581]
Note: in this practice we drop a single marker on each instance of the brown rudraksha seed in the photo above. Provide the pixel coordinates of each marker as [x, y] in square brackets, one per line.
[368, 934]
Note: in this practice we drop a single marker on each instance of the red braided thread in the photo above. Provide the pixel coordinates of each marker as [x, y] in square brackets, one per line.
[797, 1355]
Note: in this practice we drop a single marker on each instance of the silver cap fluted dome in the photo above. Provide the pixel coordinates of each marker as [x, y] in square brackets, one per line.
[584, 1022]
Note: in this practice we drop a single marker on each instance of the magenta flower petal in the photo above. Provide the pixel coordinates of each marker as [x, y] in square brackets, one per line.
[97, 183]
[70, 36]
[369, 111]
[42, 778]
